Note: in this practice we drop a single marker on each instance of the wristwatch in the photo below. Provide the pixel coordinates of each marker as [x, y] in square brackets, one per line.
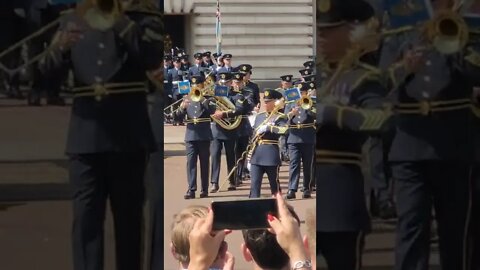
[302, 265]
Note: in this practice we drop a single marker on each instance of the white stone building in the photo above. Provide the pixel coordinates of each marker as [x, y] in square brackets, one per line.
[274, 36]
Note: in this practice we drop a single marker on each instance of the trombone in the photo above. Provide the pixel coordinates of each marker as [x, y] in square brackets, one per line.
[19, 44]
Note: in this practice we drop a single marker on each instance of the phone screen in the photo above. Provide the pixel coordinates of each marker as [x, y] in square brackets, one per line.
[243, 214]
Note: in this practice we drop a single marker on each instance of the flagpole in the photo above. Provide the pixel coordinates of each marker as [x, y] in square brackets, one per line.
[218, 30]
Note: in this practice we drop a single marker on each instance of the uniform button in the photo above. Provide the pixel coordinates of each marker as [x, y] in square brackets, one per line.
[101, 45]
[426, 78]
[82, 36]
[425, 94]
[99, 62]
[428, 63]
[98, 79]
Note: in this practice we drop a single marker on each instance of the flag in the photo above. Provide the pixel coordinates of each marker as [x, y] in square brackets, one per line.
[184, 87]
[218, 29]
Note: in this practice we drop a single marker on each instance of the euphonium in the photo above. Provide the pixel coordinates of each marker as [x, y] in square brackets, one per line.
[305, 103]
[447, 32]
[224, 105]
[196, 94]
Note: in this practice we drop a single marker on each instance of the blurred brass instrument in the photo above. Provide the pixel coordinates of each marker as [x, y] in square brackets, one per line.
[447, 32]
[305, 103]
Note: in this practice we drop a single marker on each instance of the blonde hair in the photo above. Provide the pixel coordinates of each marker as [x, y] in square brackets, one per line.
[181, 227]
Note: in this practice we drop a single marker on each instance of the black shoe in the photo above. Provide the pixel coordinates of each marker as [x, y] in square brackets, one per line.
[306, 194]
[189, 195]
[215, 188]
[291, 195]
[387, 210]
[204, 194]
[232, 187]
[56, 101]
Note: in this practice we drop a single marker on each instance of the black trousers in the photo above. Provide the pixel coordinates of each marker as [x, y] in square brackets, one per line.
[96, 178]
[198, 150]
[341, 250]
[156, 250]
[216, 154]
[475, 224]
[419, 186]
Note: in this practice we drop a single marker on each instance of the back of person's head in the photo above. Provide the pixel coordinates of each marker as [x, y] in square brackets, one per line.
[264, 248]
[181, 227]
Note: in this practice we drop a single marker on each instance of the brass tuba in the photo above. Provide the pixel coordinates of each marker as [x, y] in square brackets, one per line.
[224, 104]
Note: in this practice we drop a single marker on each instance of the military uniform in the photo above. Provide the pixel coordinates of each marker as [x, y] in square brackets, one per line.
[346, 114]
[226, 68]
[197, 69]
[109, 135]
[431, 157]
[243, 107]
[225, 138]
[265, 158]
[283, 138]
[198, 137]
[301, 145]
[246, 68]
[176, 75]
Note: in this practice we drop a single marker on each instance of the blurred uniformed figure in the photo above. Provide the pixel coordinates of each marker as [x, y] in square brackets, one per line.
[349, 110]
[185, 62]
[227, 63]
[110, 136]
[243, 107]
[42, 13]
[301, 142]
[246, 69]
[167, 82]
[223, 138]
[207, 59]
[286, 83]
[176, 75]
[265, 157]
[198, 137]
[431, 150]
[197, 68]
[309, 65]
[12, 27]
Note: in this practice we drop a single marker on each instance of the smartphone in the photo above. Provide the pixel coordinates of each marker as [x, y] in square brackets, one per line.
[243, 214]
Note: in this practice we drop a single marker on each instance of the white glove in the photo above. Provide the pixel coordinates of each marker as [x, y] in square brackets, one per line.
[262, 129]
[249, 165]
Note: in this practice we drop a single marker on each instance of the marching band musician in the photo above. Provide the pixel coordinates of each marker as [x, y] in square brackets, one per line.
[198, 136]
[207, 59]
[301, 143]
[175, 75]
[197, 68]
[286, 83]
[246, 69]
[243, 106]
[431, 151]
[223, 137]
[265, 158]
[110, 135]
[347, 112]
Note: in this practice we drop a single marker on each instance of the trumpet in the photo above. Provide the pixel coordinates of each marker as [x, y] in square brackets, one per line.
[305, 103]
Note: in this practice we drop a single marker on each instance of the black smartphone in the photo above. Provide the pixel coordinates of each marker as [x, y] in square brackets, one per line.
[243, 214]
